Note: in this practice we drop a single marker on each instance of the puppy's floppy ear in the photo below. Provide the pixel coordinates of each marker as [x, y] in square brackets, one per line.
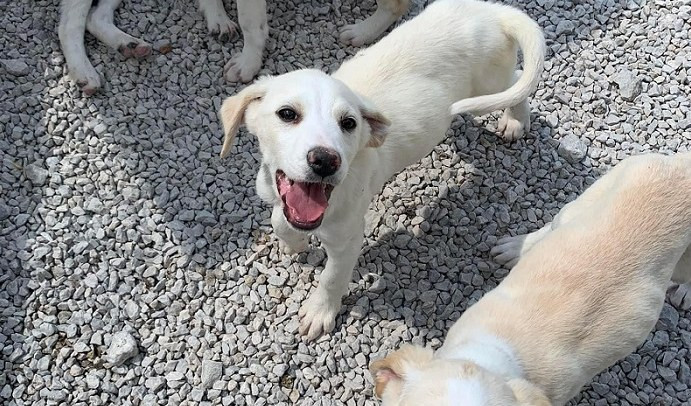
[378, 124]
[233, 113]
[393, 368]
[528, 394]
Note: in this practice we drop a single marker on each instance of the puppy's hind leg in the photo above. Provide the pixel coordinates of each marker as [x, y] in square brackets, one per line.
[516, 120]
[71, 32]
[388, 11]
[255, 31]
[680, 295]
[100, 24]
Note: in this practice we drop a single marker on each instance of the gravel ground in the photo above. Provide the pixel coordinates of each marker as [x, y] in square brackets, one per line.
[137, 268]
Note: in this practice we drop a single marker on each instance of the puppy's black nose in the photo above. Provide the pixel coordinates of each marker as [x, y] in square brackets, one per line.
[323, 161]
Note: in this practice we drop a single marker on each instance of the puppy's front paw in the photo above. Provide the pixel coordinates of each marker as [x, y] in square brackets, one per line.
[507, 252]
[318, 314]
[511, 128]
[680, 296]
[243, 67]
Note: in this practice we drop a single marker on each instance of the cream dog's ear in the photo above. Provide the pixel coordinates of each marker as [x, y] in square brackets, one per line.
[528, 394]
[393, 368]
[233, 112]
[378, 124]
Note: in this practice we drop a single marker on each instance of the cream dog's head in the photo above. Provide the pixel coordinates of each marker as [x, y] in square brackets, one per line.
[310, 128]
[412, 376]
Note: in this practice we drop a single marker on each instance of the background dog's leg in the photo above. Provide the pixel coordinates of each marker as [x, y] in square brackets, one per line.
[217, 20]
[388, 11]
[681, 294]
[100, 24]
[255, 31]
[292, 241]
[516, 120]
[318, 312]
[71, 33]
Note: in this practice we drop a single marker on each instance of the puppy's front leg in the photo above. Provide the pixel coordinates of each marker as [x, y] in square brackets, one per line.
[255, 31]
[318, 313]
[291, 240]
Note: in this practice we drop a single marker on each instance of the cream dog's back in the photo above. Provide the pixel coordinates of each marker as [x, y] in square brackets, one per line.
[591, 290]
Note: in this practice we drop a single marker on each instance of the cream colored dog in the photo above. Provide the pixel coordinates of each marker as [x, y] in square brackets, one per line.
[587, 290]
[329, 143]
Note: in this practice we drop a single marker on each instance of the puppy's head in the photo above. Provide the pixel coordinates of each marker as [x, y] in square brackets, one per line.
[310, 128]
[413, 376]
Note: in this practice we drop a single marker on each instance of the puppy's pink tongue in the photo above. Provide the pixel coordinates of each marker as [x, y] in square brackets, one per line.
[306, 201]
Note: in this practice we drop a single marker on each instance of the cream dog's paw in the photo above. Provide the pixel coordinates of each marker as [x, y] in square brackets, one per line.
[507, 252]
[318, 314]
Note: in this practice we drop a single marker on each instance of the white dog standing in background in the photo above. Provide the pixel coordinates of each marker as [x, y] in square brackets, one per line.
[96, 16]
[330, 143]
[585, 292]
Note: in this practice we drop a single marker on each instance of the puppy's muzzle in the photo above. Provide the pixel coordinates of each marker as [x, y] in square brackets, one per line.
[323, 161]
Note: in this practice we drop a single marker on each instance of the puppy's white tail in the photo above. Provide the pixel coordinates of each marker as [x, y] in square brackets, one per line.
[522, 29]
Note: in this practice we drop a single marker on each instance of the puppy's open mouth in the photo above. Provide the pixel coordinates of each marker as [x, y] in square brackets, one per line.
[304, 203]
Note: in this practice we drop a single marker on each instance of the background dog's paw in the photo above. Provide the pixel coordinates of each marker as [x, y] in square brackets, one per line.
[680, 296]
[318, 314]
[221, 26]
[87, 79]
[355, 35]
[135, 49]
[510, 128]
[507, 251]
[243, 67]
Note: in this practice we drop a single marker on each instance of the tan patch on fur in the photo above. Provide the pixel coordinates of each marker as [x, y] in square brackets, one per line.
[379, 127]
[397, 364]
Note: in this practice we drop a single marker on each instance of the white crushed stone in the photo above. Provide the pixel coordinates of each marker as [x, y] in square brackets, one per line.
[116, 214]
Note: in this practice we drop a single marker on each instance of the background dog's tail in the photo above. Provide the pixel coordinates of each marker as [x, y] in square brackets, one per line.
[528, 35]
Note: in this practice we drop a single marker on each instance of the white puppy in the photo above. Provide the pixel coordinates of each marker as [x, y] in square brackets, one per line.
[587, 290]
[324, 139]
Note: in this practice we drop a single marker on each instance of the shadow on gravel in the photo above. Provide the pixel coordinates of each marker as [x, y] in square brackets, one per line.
[450, 228]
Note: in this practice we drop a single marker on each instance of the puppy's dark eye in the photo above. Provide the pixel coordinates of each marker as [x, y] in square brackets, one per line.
[348, 124]
[287, 114]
